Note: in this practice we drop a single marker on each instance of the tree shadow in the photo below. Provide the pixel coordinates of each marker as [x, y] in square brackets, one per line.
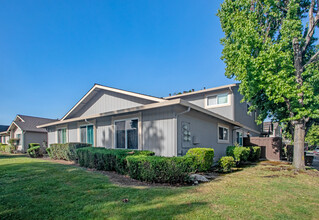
[34, 189]
[8, 156]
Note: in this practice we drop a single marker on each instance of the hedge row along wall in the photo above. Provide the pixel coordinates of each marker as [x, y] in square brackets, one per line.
[65, 151]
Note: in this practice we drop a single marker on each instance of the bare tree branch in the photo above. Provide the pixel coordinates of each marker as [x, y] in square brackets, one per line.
[312, 24]
[312, 59]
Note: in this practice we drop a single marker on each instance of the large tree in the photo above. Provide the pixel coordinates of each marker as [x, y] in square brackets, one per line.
[270, 47]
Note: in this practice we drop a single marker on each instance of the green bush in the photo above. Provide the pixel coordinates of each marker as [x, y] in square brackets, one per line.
[160, 169]
[33, 145]
[240, 154]
[65, 151]
[34, 151]
[5, 148]
[107, 159]
[254, 154]
[203, 158]
[226, 163]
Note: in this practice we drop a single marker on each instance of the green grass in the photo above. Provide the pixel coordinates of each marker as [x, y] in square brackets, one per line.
[39, 189]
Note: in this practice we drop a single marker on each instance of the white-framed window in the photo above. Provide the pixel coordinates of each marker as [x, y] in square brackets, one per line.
[126, 133]
[223, 134]
[62, 135]
[87, 134]
[239, 138]
[215, 100]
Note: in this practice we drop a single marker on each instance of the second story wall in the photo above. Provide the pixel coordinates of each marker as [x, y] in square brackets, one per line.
[209, 101]
[241, 112]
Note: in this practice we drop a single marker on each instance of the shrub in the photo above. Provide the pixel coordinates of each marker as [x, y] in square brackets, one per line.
[203, 158]
[33, 145]
[107, 159]
[6, 148]
[34, 151]
[160, 169]
[226, 163]
[240, 154]
[65, 151]
[254, 154]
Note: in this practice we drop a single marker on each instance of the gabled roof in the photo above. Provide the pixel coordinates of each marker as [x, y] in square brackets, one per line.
[201, 91]
[30, 123]
[146, 107]
[97, 87]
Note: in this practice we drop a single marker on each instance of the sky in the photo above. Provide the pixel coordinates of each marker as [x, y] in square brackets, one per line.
[54, 51]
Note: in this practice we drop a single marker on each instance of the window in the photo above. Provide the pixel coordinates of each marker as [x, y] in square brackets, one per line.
[18, 139]
[62, 135]
[126, 134]
[223, 134]
[239, 138]
[217, 99]
[87, 134]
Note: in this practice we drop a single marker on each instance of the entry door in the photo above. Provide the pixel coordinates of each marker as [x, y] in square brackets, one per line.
[186, 137]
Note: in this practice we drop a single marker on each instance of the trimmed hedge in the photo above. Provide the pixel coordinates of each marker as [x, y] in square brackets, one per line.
[107, 159]
[254, 154]
[34, 151]
[65, 151]
[243, 154]
[203, 158]
[160, 169]
[33, 145]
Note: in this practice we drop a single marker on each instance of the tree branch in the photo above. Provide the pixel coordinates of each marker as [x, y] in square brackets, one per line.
[312, 24]
[312, 59]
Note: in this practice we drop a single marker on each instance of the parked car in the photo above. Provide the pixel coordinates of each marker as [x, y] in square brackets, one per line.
[316, 151]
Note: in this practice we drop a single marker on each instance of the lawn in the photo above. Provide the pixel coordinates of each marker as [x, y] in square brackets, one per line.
[40, 189]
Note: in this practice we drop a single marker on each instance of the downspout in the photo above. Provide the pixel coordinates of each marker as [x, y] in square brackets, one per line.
[176, 126]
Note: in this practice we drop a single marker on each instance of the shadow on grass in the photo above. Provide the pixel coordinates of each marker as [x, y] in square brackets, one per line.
[32, 189]
[8, 156]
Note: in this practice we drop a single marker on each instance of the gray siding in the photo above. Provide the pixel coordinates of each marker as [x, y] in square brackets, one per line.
[105, 101]
[104, 132]
[200, 100]
[52, 135]
[241, 115]
[205, 129]
[159, 131]
[34, 137]
[72, 132]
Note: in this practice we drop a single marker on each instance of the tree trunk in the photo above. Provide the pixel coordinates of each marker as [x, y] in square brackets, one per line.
[299, 143]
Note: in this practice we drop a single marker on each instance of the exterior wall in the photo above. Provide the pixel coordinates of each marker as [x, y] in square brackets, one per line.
[52, 133]
[105, 101]
[204, 130]
[104, 132]
[4, 139]
[15, 134]
[241, 115]
[34, 137]
[270, 146]
[200, 100]
[72, 132]
[159, 131]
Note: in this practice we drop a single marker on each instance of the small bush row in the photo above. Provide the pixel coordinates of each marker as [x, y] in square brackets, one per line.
[243, 154]
[107, 159]
[65, 151]
[144, 166]
[160, 169]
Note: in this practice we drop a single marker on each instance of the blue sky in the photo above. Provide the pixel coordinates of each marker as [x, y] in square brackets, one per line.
[52, 52]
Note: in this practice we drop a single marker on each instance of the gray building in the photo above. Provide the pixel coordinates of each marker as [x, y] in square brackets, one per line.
[119, 119]
[24, 130]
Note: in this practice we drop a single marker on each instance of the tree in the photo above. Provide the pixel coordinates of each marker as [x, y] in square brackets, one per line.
[312, 136]
[270, 47]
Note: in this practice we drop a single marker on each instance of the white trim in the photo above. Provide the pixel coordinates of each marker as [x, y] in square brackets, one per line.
[66, 133]
[96, 86]
[146, 107]
[114, 134]
[218, 105]
[223, 141]
[201, 91]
